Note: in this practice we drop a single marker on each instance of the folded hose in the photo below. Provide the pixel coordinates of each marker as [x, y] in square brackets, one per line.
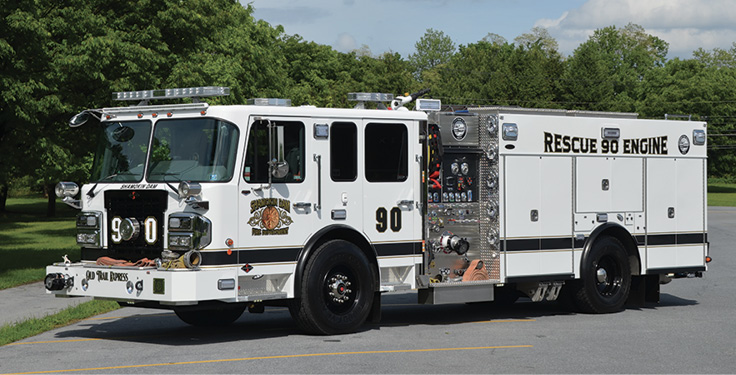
[191, 259]
[107, 261]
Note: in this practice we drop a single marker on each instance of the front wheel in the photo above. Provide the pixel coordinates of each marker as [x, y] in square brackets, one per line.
[605, 278]
[336, 290]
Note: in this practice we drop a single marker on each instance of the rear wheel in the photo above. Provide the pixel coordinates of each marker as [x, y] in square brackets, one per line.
[214, 317]
[336, 290]
[605, 278]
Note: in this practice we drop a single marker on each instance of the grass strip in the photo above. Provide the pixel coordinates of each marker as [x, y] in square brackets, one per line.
[31, 327]
[721, 194]
[13, 278]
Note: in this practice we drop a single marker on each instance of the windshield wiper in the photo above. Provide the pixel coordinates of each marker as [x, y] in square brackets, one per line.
[167, 183]
[91, 192]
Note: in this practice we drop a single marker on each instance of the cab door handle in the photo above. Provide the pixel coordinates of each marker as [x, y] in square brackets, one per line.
[302, 205]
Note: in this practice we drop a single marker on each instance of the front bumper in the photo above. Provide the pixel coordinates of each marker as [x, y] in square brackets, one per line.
[167, 286]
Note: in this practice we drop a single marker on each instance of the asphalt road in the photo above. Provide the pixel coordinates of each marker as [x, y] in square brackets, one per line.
[692, 330]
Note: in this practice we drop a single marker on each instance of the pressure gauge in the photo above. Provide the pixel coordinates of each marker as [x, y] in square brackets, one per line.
[464, 168]
[455, 168]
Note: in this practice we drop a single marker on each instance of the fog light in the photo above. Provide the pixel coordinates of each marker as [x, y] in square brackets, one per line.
[88, 238]
[180, 242]
[129, 287]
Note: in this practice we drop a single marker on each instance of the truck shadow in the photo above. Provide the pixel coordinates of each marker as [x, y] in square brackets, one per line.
[165, 328]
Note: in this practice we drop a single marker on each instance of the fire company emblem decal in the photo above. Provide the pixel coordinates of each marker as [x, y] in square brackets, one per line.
[270, 216]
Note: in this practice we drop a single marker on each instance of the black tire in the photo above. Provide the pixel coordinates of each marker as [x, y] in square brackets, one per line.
[215, 317]
[336, 290]
[605, 279]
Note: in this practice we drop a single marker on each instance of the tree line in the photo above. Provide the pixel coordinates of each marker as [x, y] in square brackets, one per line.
[58, 57]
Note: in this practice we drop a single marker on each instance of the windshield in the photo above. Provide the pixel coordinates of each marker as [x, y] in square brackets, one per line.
[121, 151]
[197, 150]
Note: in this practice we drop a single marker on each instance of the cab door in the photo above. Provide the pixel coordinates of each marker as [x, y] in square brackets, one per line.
[340, 194]
[275, 214]
[390, 169]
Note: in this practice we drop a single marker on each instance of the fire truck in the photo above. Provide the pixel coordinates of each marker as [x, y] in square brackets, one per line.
[209, 210]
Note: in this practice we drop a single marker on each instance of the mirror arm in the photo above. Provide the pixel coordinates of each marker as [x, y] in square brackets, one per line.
[270, 151]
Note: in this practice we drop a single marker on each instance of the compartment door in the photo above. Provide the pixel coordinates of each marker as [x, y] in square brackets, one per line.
[538, 216]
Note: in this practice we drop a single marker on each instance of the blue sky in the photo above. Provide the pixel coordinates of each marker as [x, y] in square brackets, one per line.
[396, 25]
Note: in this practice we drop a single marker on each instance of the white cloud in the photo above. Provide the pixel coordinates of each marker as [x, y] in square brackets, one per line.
[685, 24]
[345, 43]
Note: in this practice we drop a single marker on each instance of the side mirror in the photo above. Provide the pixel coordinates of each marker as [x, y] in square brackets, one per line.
[123, 134]
[279, 169]
[79, 119]
[83, 117]
[278, 165]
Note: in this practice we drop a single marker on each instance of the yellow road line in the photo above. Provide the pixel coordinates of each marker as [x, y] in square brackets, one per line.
[275, 357]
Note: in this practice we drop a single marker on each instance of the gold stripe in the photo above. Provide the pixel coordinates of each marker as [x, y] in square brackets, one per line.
[511, 252]
[277, 357]
[534, 238]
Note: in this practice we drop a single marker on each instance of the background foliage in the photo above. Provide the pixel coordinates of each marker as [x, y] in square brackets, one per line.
[58, 57]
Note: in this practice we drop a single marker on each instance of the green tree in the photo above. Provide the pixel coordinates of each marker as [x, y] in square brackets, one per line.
[606, 71]
[704, 88]
[433, 48]
[485, 73]
[61, 56]
[23, 86]
[538, 37]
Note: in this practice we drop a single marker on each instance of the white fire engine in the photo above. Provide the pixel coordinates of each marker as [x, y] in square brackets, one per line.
[209, 210]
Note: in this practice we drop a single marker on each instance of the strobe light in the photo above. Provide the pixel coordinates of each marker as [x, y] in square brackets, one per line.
[66, 189]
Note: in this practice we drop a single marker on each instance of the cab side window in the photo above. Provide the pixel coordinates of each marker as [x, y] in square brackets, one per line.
[343, 151]
[257, 154]
[386, 152]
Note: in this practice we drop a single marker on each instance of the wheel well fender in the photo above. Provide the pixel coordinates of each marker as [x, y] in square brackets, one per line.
[620, 233]
[333, 232]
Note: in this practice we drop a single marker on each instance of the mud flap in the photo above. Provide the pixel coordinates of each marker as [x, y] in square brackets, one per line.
[644, 289]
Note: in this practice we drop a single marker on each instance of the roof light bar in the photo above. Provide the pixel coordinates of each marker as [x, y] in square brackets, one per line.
[189, 92]
[270, 102]
[155, 108]
[370, 97]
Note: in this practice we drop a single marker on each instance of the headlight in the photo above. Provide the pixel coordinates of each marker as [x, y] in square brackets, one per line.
[189, 231]
[88, 229]
[88, 220]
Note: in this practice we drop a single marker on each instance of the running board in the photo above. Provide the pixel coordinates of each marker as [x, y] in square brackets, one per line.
[460, 293]
[394, 287]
